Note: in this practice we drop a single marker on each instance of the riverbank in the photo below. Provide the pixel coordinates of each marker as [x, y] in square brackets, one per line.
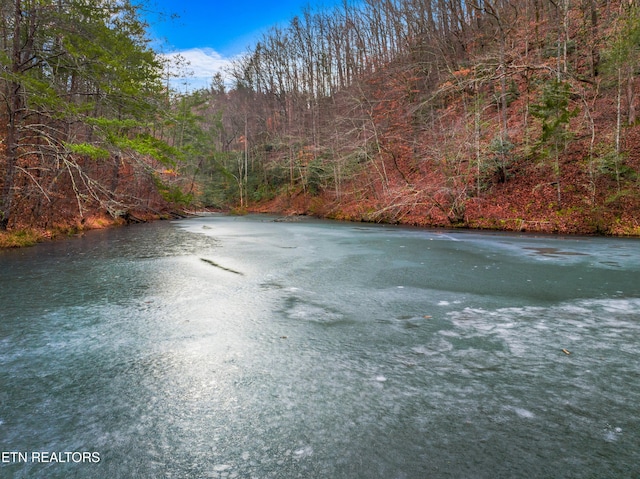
[497, 212]
[24, 236]
[570, 221]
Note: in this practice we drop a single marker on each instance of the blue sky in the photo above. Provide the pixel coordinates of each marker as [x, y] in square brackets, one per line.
[209, 34]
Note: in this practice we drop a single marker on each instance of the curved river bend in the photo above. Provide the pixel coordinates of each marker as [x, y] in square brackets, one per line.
[243, 347]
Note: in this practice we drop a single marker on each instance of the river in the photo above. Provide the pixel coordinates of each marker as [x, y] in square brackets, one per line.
[248, 347]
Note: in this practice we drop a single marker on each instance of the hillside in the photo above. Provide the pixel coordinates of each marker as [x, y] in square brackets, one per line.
[536, 132]
[452, 176]
[512, 115]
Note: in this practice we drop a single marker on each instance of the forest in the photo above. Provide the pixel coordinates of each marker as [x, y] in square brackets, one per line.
[513, 115]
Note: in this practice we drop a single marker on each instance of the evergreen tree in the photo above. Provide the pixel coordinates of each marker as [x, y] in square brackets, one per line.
[79, 85]
[554, 114]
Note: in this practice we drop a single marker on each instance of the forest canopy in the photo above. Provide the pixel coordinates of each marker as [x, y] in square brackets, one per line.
[517, 114]
[83, 102]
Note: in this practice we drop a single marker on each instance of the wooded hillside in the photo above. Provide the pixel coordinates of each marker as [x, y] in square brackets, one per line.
[82, 114]
[518, 114]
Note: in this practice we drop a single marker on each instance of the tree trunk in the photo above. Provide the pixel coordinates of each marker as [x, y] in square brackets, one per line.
[631, 98]
[14, 100]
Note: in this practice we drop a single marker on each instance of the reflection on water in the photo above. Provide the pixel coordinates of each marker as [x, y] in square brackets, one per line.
[341, 351]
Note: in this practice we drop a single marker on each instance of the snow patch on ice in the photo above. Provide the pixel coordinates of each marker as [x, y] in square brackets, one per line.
[523, 413]
[303, 452]
[221, 467]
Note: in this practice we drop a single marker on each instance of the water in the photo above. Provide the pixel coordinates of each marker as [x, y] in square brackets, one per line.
[223, 347]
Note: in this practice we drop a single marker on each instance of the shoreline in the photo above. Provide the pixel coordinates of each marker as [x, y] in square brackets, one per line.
[25, 236]
[30, 236]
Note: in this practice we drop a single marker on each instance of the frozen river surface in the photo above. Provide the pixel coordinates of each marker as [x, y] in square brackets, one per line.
[243, 347]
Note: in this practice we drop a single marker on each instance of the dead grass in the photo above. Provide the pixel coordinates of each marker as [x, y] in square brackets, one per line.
[20, 238]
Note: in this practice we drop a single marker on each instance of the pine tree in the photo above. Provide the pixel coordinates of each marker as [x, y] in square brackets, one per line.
[80, 85]
[554, 113]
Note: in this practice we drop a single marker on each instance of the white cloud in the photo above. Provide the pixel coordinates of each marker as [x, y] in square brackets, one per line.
[201, 65]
